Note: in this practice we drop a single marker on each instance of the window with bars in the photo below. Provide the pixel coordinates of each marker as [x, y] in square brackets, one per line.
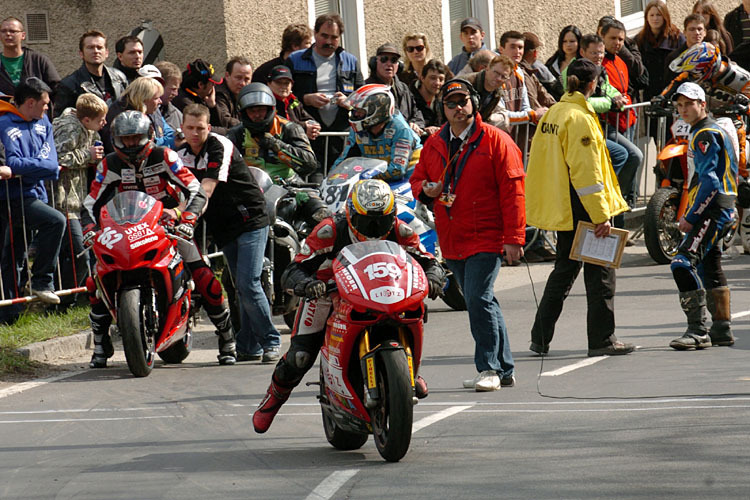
[37, 27]
[458, 11]
[630, 12]
[327, 7]
[630, 7]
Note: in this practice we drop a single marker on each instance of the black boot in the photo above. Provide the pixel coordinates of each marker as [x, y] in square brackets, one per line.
[103, 348]
[227, 347]
[718, 302]
[693, 303]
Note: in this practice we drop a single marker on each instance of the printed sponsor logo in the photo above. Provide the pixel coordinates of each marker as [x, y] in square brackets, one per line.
[151, 181]
[40, 129]
[45, 151]
[137, 232]
[143, 242]
[154, 169]
[14, 134]
[387, 295]
[128, 175]
[153, 191]
[309, 313]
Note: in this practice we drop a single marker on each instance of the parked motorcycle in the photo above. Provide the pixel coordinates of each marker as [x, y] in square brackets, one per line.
[335, 190]
[372, 348]
[670, 200]
[142, 279]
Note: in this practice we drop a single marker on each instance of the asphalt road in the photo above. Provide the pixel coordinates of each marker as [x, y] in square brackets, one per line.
[655, 424]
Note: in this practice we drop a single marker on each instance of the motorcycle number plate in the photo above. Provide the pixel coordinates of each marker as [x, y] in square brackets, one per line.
[680, 128]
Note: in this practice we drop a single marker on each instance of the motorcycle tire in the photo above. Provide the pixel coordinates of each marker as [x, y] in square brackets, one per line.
[454, 296]
[337, 437]
[177, 352]
[660, 230]
[392, 418]
[139, 350]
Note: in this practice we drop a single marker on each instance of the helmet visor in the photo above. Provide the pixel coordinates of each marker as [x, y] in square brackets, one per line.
[372, 226]
[256, 99]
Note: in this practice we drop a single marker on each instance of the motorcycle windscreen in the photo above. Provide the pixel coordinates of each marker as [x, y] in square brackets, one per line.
[351, 167]
[130, 206]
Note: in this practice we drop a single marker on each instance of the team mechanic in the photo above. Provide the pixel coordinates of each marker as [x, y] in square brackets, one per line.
[311, 270]
[137, 164]
[379, 131]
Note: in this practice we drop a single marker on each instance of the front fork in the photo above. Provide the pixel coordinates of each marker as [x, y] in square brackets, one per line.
[367, 363]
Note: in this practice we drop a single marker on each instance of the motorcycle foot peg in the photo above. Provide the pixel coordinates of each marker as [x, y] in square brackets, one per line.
[308, 384]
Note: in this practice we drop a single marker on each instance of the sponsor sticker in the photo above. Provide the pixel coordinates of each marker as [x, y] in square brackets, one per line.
[128, 175]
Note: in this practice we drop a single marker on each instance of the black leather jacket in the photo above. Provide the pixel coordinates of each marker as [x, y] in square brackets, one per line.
[80, 82]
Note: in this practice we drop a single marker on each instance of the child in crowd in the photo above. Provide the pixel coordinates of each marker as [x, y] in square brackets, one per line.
[79, 149]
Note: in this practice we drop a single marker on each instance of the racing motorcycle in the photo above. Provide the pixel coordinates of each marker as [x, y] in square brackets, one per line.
[372, 348]
[143, 280]
[340, 181]
[670, 200]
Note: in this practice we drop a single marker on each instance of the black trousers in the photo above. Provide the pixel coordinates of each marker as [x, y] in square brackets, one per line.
[600, 297]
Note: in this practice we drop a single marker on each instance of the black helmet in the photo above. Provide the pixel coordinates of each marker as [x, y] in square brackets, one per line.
[256, 94]
[132, 123]
[371, 210]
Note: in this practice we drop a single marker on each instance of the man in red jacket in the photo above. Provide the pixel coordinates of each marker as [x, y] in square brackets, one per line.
[472, 173]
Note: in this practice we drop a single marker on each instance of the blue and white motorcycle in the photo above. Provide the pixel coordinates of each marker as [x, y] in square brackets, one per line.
[338, 184]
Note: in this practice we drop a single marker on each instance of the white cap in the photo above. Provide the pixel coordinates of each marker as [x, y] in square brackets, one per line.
[691, 91]
[151, 71]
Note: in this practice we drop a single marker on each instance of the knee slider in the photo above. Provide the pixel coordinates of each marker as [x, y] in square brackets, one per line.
[207, 285]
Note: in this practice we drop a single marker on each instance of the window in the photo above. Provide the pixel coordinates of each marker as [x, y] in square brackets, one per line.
[37, 29]
[630, 12]
[353, 14]
[455, 11]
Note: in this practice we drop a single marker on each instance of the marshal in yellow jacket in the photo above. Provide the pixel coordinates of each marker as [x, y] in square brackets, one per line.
[569, 149]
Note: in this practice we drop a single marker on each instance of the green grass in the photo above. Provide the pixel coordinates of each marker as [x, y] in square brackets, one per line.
[34, 327]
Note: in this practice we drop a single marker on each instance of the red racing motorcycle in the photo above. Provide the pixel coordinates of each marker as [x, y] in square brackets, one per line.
[142, 279]
[372, 348]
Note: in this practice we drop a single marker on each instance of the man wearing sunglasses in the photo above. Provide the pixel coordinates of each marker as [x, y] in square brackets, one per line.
[383, 69]
[472, 174]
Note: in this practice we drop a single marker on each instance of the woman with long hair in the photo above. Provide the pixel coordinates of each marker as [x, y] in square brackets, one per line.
[713, 22]
[417, 53]
[568, 43]
[656, 40]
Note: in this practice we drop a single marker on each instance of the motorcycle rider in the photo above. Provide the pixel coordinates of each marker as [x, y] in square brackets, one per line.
[370, 215]
[379, 131]
[137, 164]
[713, 189]
[268, 141]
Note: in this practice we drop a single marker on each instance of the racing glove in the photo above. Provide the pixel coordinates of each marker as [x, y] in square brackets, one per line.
[741, 100]
[435, 280]
[89, 235]
[186, 227]
[311, 289]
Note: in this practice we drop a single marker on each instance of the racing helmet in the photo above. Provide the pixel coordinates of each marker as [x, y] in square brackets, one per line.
[702, 61]
[370, 105]
[256, 94]
[132, 123]
[371, 210]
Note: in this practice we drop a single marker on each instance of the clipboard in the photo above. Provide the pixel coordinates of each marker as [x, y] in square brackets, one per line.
[605, 252]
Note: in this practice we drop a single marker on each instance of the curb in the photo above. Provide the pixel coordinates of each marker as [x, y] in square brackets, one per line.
[60, 347]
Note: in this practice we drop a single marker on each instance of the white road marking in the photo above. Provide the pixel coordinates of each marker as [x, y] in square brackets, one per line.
[331, 484]
[740, 314]
[25, 386]
[574, 366]
[80, 410]
[607, 410]
[57, 420]
[436, 417]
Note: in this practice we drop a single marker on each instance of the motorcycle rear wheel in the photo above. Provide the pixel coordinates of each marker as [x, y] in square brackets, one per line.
[339, 438]
[392, 418]
[139, 349]
[660, 225]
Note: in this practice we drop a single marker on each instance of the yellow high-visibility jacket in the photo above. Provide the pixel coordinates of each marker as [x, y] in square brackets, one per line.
[569, 149]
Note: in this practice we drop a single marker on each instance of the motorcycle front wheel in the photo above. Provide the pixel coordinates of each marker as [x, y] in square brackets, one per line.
[660, 225]
[131, 321]
[392, 418]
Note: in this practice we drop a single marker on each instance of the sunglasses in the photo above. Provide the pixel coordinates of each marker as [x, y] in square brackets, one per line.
[390, 59]
[418, 48]
[455, 104]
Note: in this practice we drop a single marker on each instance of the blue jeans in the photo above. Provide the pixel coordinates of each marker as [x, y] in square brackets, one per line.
[245, 258]
[626, 175]
[476, 275]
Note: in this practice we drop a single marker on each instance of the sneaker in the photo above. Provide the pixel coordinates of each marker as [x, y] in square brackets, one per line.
[508, 381]
[615, 349]
[538, 348]
[471, 383]
[691, 341]
[46, 296]
[488, 381]
[271, 354]
[243, 356]
[420, 387]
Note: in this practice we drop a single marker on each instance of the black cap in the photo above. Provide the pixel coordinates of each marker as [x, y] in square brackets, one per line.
[387, 48]
[471, 22]
[200, 71]
[584, 70]
[280, 71]
[456, 86]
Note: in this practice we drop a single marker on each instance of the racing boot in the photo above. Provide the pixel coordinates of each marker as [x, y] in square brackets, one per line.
[420, 387]
[227, 348]
[696, 336]
[276, 395]
[718, 302]
[103, 348]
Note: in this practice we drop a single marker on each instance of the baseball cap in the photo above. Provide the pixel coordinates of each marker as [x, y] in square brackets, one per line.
[584, 70]
[531, 41]
[280, 71]
[471, 22]
[691, 91]
[151, 71]
[387, 48]
[200, 71]
[454, 87]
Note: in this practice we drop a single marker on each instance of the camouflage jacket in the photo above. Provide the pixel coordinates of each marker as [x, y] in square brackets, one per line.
[72, 141]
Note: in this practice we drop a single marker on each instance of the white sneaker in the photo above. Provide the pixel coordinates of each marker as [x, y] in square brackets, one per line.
[472, 382]
[46, 296]
[487, 381]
